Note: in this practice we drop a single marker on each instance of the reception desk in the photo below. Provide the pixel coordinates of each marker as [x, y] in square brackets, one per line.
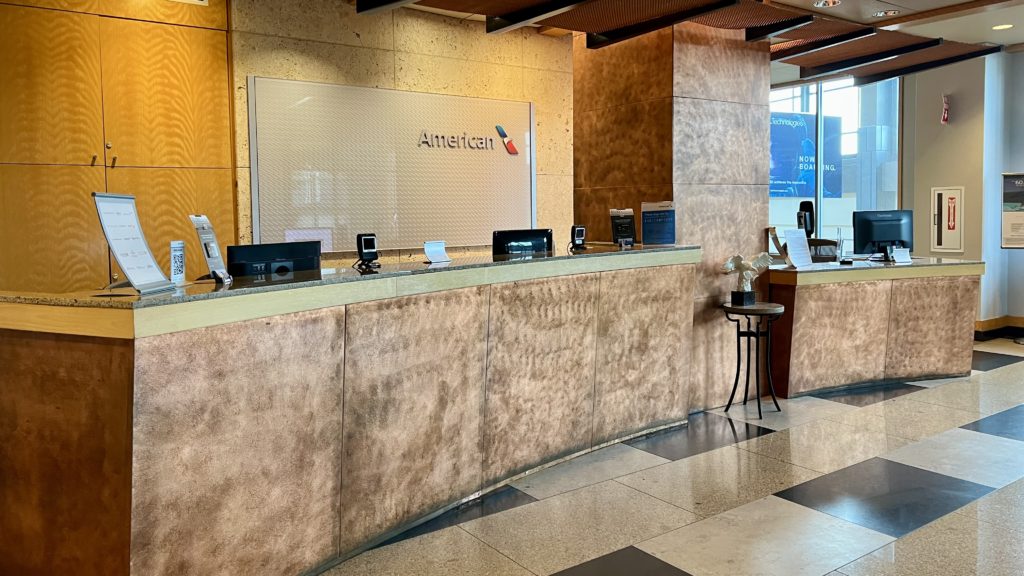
[872, 322]
[276, 428]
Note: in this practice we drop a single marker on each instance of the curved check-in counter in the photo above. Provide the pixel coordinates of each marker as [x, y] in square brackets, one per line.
[277, 428]
[873, 322]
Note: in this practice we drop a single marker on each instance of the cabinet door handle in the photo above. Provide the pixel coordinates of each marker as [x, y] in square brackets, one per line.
[113, 161]
[109, 145]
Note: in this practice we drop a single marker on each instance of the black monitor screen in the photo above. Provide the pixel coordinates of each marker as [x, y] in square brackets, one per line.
[281, 259]
[522, 242]
[873, 231]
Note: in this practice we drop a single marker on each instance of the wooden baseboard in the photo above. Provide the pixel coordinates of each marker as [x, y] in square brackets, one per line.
[997, 323]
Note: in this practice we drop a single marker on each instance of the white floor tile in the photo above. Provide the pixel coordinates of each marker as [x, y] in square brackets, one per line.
[767, 537]
[604, 464]
[968, 455]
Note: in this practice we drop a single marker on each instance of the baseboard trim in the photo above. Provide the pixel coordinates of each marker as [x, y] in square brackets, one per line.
[1002, 327]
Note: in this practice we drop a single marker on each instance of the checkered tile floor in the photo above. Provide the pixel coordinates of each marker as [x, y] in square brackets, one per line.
[909, 479]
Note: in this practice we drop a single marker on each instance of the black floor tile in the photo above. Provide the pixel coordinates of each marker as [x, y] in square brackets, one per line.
[885, 496]
[867, 395]
[986, 361]
[1008, 424]
[626, 562]
[703, 432]
[500, 500]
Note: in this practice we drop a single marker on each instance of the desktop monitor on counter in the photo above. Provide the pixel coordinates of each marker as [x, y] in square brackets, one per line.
[274, 262]
[879, 231]
[523, 243]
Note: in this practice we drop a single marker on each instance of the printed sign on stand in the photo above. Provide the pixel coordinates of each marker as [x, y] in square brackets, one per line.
[1013, 211]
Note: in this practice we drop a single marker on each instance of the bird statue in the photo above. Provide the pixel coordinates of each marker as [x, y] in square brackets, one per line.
[746, 272]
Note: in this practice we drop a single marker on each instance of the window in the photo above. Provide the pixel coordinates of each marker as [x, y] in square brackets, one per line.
[856, 165]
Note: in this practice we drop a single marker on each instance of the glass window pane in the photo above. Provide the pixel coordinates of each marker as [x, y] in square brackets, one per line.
[861, 168]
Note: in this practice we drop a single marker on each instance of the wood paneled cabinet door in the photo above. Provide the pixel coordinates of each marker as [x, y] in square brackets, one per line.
[51, 109]
[165, 95]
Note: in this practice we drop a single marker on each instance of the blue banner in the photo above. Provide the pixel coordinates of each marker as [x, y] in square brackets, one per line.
[794, 153]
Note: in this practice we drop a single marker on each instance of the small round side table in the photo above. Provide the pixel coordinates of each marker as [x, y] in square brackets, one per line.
[759, 317]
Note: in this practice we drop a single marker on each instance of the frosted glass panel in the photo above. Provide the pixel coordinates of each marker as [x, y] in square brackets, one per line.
[410, 167]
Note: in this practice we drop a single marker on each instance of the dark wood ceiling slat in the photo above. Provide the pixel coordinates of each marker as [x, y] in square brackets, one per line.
[858, 61]
[881, 41]
[607, 38]
[530, 15]
[371, 6]
[756, 33]
[792, 48]
[948, 53]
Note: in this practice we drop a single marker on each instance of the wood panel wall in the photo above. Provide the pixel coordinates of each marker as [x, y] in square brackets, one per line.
[128, 96]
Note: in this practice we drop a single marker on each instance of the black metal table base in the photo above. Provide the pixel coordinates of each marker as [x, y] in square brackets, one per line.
[755, 334]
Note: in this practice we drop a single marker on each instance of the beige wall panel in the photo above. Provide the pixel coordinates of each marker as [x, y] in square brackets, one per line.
[441, 75]
[546, 52]
[418, 32]
[717, 64]
[51, 106]
[165, 96]
[213, 16]
[260, 454]
[50, 236]
[714, 356]
[838, 335]
[166, 196]
[414, 394]
[724, 221]
[551, 94]
[319, 20]
[644, 339]
[720, 142]
[931, 324]
[540, 332]
[554, 207]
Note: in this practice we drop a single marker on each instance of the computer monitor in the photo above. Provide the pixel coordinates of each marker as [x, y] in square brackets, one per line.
[882, 230]
[274, 262]
[531, 242]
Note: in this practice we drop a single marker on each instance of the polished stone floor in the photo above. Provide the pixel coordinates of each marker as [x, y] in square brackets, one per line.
[918, 478]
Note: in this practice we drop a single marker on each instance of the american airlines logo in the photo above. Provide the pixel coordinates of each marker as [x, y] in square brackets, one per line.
[465, 141]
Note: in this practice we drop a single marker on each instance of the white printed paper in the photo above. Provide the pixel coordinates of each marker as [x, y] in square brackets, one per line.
[902, 256]
[798, 252]
[435, 252]
[120, 223]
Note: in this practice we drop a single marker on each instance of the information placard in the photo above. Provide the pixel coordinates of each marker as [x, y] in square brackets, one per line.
[120, 222]
[1013, 211]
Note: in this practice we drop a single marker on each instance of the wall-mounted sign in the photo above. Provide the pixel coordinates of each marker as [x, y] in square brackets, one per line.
[411, 167]
[947, 219]
[1013, 210]
[794, 152]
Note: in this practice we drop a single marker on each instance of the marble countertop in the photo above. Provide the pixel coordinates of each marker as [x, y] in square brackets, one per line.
[128, 299]
[863, 270]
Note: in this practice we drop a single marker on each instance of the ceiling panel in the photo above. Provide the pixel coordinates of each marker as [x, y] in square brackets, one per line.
[861, 10]
[880, 42]
[976, 27]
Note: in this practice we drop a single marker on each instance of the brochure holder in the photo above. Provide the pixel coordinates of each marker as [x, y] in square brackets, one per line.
[120, 222]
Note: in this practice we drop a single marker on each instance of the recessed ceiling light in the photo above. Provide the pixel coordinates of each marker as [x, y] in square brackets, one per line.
[1003, 27]
[827, 3]
[886, 13]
